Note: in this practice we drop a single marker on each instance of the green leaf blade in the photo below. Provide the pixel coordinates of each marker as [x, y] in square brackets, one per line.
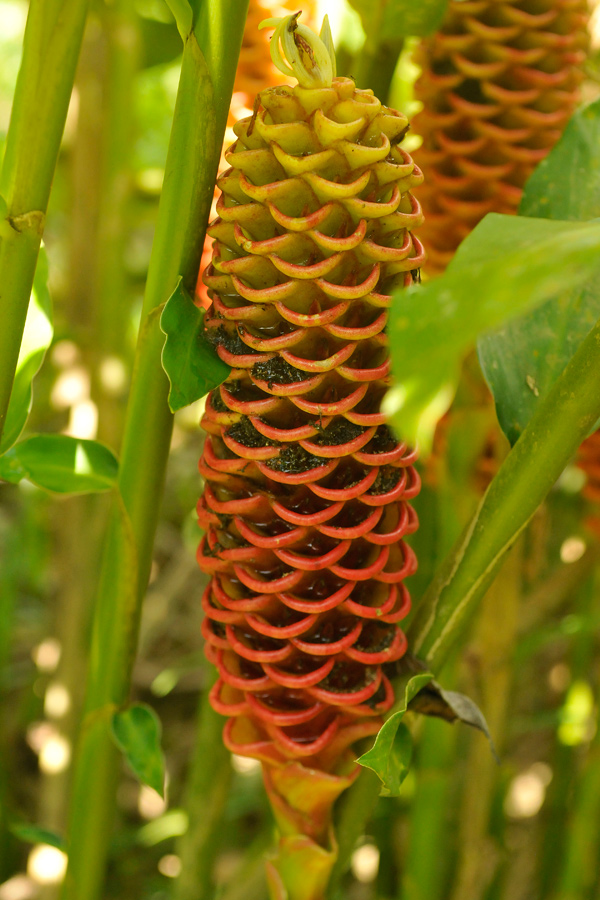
[523, 360]
[192, 366]
[183, 15]
[391, 753]
[62, 464]
[137, 732]
[506, 266]
[35, 834]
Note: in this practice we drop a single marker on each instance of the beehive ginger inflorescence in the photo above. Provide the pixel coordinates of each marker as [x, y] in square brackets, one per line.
[306, 499]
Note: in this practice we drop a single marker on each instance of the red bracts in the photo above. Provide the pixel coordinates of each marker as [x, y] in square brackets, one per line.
[499, 82]
[306, 500]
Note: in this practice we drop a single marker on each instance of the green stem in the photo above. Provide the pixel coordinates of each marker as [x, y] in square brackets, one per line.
[207, 73]
[122, 58]
[375, 66]
[559, 808]
[111, 297]
[582, 837]
[562, 420]
[426, 857]
[357, 807]
[492, 652]
[53, 37]
[205, 803]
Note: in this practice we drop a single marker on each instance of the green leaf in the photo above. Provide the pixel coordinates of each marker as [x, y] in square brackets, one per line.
[505, 267]
[390, 755]
[393, 19]
[36, 340]
[61, 463]
[191, 364]
[33, 834]
[522, 361]
[136, 731]
[433, 700]
[183, 15]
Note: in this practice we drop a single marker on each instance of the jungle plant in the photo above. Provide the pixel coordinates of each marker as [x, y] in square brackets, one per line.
[305, 502]
[323, 361]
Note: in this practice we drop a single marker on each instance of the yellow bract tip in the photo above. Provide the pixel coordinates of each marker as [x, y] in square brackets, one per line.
[297, 51]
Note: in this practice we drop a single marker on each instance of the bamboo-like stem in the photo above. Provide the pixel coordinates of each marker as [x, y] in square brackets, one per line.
[111, 299]
[566, 761]
[494, 645]
[426, 854]
[207, 73]
[53, 37]
[122, 59]
[375, 66]
[356, 808]
[205, 803]
[582, 836]
[563, 419]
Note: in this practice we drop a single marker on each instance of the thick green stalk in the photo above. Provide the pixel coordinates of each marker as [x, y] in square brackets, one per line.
[111, 298]
[428, 850]
[111, 308]
[207, 73]
[375, 65]
[582, 837]
[205, 803]
[563, 419]
[356, 808]
[567, 761]
[492, 651]
[51, 48]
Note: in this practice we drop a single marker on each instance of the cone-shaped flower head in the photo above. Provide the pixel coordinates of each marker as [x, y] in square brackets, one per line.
[305, 505]
[255, 72]
[499, 82]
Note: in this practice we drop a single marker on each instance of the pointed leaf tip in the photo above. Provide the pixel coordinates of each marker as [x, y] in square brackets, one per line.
[192, 366]
[391, 753]
[137, 731]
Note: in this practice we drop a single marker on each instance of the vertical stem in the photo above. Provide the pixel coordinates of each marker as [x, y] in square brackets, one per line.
[51, 48]
[494, 645]
[566, 763]
[111, 300]
[207, 72]
[582, 838]
[205, 803]
[356, 808]
[427, 853]
[375, 66]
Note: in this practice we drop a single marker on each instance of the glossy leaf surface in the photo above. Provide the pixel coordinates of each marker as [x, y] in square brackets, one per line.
[506, 266]
[191, 364]
[523, 359]
[136, 732]
[60, 463]
[390, 755]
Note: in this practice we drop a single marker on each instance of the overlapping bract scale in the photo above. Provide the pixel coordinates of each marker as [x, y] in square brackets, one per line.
[306, 500]
[255, 72]
[499, 82]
